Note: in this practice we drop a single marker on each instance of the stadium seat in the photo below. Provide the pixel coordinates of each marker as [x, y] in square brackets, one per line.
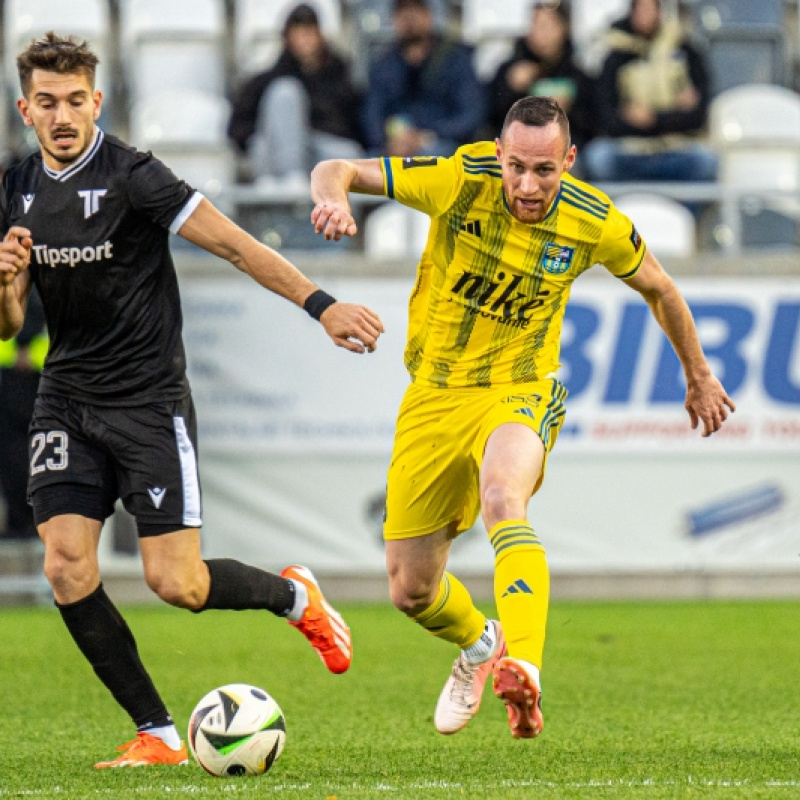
[179, 44]
[755, 113]
[488, 19]
[492, 28]
[591, 20]
[716, 15]
[740, 57]
[395, 231]
[743, 40]
[666, 225]
[186, 130]
[756, 130]
[258, 26]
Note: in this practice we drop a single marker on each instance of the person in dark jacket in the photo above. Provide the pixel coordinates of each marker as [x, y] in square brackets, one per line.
[423, 96]
[542, 64]
[652, 98]
[302, 110]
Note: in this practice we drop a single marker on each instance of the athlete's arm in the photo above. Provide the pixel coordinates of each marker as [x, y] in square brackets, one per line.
[706, 399]
[15, 280]
[350, 325]
[330, 183]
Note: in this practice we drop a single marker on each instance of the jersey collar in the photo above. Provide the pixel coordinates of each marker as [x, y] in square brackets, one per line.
[68, 172]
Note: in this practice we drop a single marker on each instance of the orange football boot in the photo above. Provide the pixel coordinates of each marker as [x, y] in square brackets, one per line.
[144, 751]
[321, 624]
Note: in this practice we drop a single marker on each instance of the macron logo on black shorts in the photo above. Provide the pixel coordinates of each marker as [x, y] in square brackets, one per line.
[72, 255]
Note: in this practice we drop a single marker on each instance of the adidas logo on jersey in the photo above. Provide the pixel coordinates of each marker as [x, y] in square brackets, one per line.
[518, 587]
[72, 255]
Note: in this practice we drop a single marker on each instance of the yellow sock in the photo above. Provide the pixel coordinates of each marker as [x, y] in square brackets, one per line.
[521, 588]
[453, 616]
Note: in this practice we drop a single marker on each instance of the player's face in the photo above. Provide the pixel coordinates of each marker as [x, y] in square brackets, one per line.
[532, 160]
[62, 109]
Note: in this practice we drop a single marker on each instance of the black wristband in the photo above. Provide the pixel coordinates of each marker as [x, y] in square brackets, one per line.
[317, 302]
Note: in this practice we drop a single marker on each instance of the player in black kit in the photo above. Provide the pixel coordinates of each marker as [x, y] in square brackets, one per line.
[88, 220]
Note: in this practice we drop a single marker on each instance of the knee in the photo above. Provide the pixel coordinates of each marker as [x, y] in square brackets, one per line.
[411, 596]
[180, 588]
[499, 502]
[71, 576]
[284, 95]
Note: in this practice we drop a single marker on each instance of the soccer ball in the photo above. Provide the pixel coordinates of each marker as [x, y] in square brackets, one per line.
[237, 729]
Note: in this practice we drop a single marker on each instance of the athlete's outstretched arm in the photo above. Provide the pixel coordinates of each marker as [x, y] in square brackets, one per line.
[706, 399]
[330, 183]
[350, 325]
[15, 280]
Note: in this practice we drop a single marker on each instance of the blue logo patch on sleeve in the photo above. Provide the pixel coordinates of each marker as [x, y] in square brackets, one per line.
[557, 258]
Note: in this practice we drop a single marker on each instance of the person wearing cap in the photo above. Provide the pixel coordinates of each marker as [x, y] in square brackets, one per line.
[301, 110]
[423, 96]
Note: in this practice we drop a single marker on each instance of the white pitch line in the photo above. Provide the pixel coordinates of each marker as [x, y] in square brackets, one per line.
[429, 786]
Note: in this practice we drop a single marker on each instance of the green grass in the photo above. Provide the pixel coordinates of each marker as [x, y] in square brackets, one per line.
[647, 700]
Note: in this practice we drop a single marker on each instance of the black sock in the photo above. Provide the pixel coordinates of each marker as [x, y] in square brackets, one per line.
[106, 641]
[237, 587]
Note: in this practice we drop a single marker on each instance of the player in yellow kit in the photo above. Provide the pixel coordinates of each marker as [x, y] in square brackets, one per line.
[510, 231]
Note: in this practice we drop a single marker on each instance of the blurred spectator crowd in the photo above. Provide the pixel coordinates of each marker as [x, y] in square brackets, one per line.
[237, 94]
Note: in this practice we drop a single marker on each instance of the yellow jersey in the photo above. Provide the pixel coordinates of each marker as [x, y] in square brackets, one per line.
[489, 299]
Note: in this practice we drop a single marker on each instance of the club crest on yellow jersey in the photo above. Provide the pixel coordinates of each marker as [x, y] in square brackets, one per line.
[557, 258]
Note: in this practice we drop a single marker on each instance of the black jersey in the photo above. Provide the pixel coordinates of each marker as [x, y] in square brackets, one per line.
[102, 265]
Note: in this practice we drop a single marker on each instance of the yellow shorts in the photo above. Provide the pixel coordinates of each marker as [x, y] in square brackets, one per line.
[438, 449]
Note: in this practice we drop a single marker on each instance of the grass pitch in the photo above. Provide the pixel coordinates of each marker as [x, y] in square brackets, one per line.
[647, 700]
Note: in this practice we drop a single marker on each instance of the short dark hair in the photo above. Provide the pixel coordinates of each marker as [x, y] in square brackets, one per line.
[56, 54]
[560, 9]
[537, 112]
[303, 14]
[402, 5]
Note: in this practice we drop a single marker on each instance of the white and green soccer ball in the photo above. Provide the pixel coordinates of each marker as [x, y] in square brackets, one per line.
[237, 729]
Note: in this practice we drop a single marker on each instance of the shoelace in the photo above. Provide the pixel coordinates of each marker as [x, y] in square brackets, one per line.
[463, 672]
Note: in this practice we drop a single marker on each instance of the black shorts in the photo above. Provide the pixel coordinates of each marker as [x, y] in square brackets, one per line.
[146, 455]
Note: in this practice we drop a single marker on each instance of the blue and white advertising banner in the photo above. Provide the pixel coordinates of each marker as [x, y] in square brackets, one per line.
[295, 433]
[626, 384]
[266, 378]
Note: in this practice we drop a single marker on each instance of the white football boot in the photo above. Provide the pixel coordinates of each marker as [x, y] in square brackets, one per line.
[461, 697]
